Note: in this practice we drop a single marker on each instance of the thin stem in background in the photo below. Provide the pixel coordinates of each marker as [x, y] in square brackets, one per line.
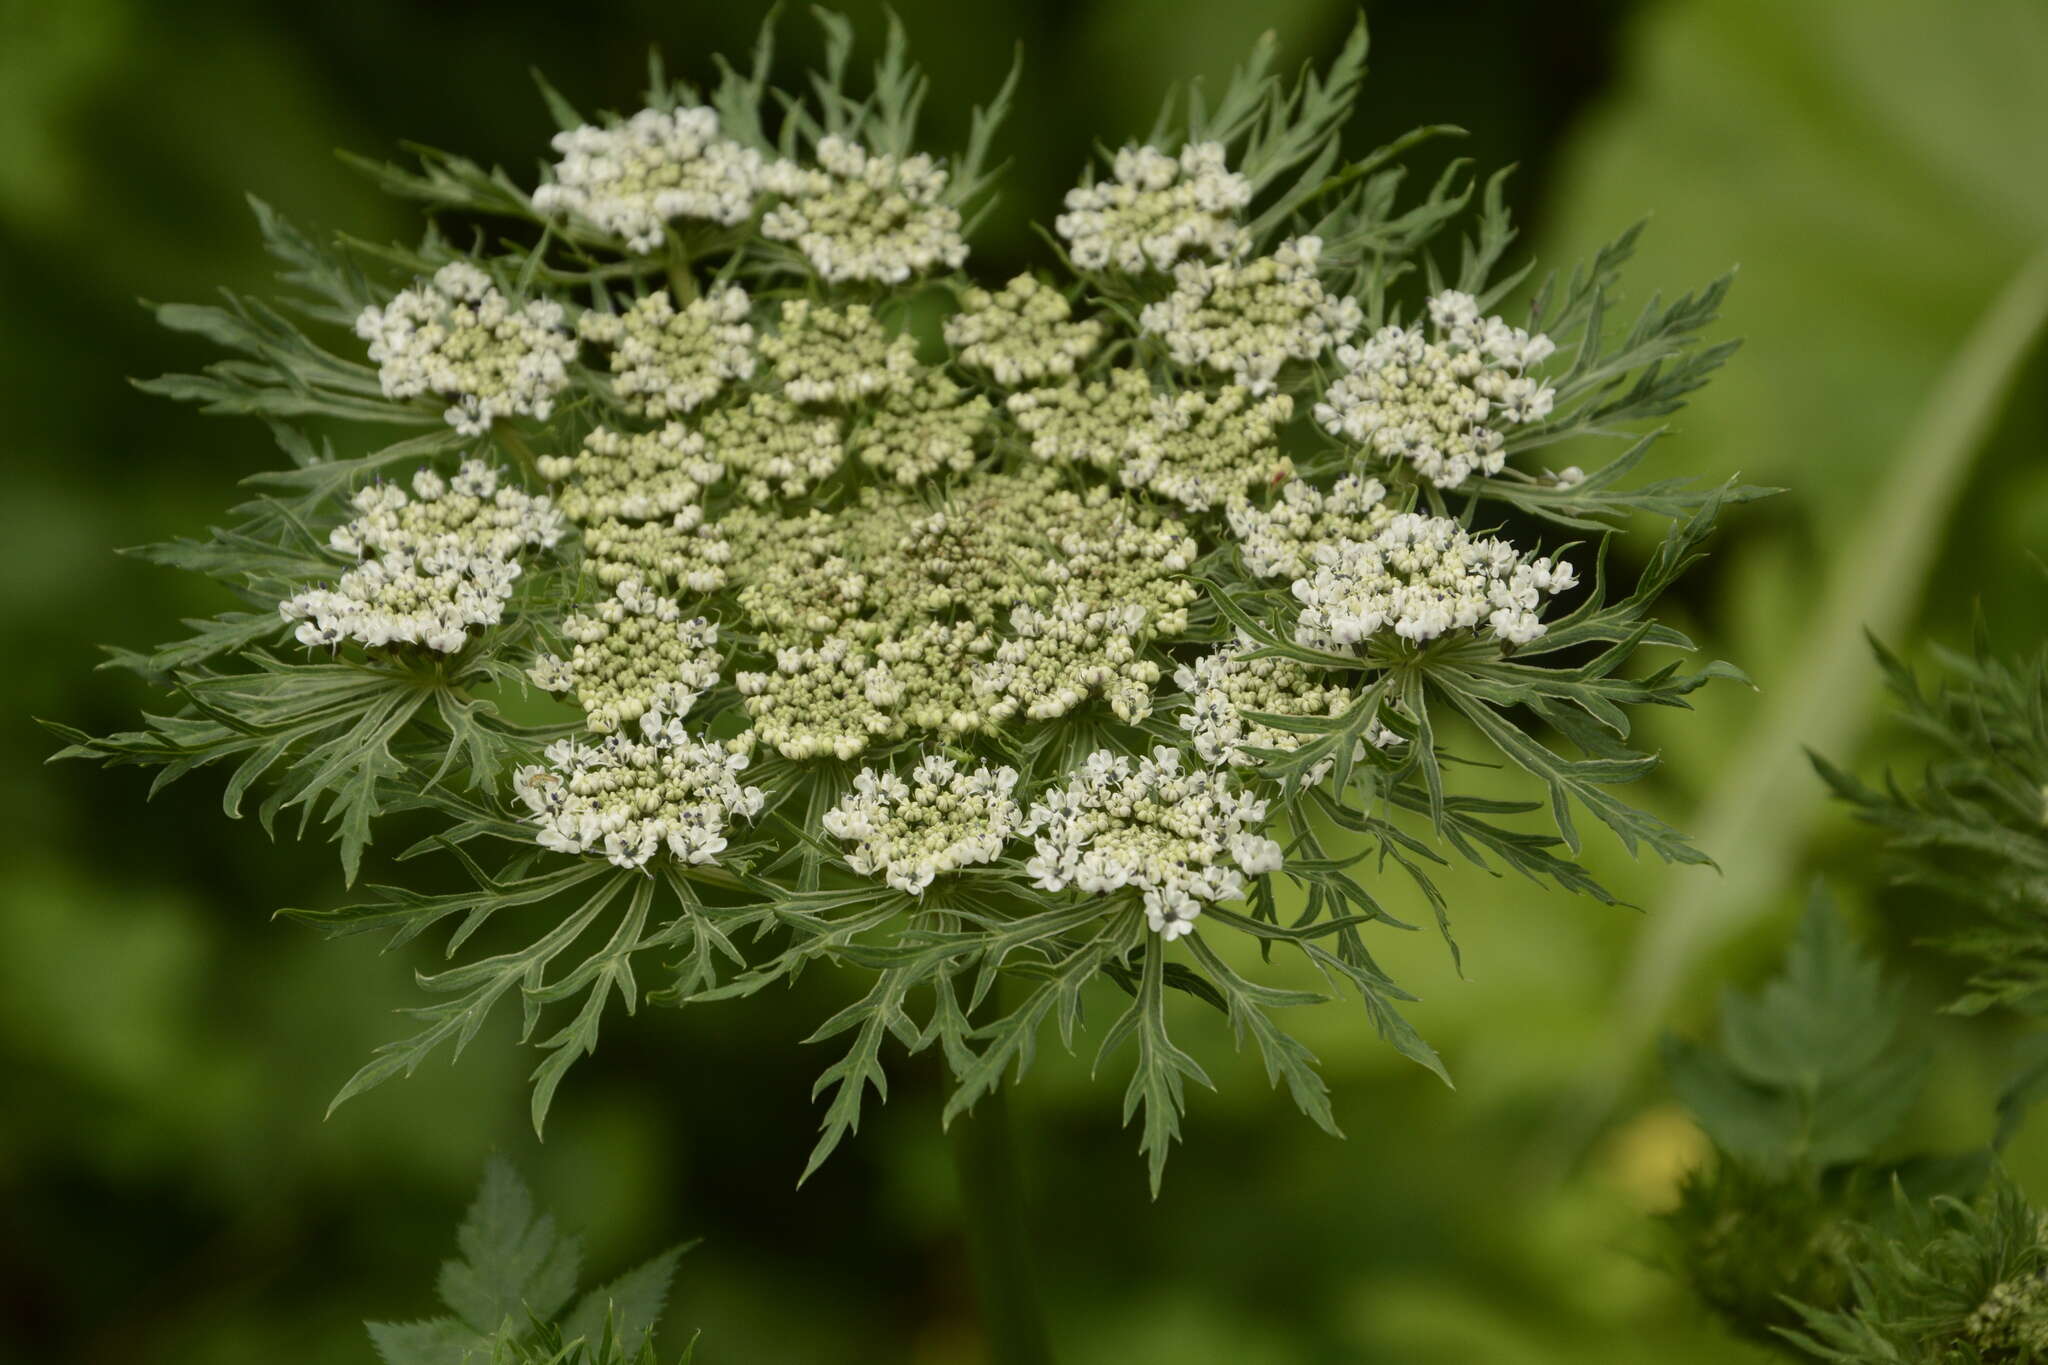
[985, 1160]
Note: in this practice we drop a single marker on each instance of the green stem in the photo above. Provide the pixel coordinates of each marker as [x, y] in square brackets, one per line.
[984, 1158]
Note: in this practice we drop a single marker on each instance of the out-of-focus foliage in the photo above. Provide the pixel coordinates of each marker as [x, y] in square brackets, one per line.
[1805, 1081]
[1853, 158]
[1973, 830]
[1789, 1235]
[1811, 1071]
[1954, 1282]
[508, 1294]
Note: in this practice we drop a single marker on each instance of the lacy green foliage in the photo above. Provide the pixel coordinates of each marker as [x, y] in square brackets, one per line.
[509, 1294]
[1948, 1282]
[996, 567]
[1974, 829]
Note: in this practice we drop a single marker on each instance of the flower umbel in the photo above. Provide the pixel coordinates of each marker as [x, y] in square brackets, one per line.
[750, 579]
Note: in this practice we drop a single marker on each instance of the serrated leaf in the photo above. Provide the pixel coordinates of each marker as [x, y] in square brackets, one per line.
[436, 1341]
[629, 1307]
[513, 1262]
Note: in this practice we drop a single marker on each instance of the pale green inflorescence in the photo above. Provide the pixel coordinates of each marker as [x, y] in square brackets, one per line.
[930, 427]
[1087, 603]
[633, 475]
[668, 361]
[837, 355]
[1250, 319]
[772, 449]
[458, 338]
[634, 654]
[1022, 333]
[890, 572]
[943, 818]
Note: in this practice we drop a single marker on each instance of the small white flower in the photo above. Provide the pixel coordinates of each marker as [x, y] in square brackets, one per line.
[637, 792]
[1156, 209]
[1248, 319]
[456, 337]
[431, 566]
[864, 216]
[1440, 402]
[633, 178]
[1185, 837]
[944, 818]
[1421, 577]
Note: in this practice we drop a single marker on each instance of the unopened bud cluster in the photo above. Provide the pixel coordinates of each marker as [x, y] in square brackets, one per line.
[1022, 333]
[633, 655]
[1156, 209]
[668, 361]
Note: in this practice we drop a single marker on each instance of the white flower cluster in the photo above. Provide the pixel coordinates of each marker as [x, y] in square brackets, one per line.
[826, 699]
[1156, 209]
[944, 818]
[1022, 333]
[667, 361]
[865, 216]
[684, 552]
[773, 447]
[1247, 319]
[458, 338]
[1279, 541]
[635, 654]
[633, 476]
[1198, 449]
[632, 178]
[1061, 656]
[433, 565]
[1224, 685]
[1185, 838]
[628, 795]
[837, 355]
[1421, 576]
[915, 434]
[1440, 401]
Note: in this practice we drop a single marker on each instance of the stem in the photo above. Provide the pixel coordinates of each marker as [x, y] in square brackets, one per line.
[984, 1158]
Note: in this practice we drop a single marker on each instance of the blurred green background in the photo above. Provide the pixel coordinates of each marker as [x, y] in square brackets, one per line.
[168, 1191]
